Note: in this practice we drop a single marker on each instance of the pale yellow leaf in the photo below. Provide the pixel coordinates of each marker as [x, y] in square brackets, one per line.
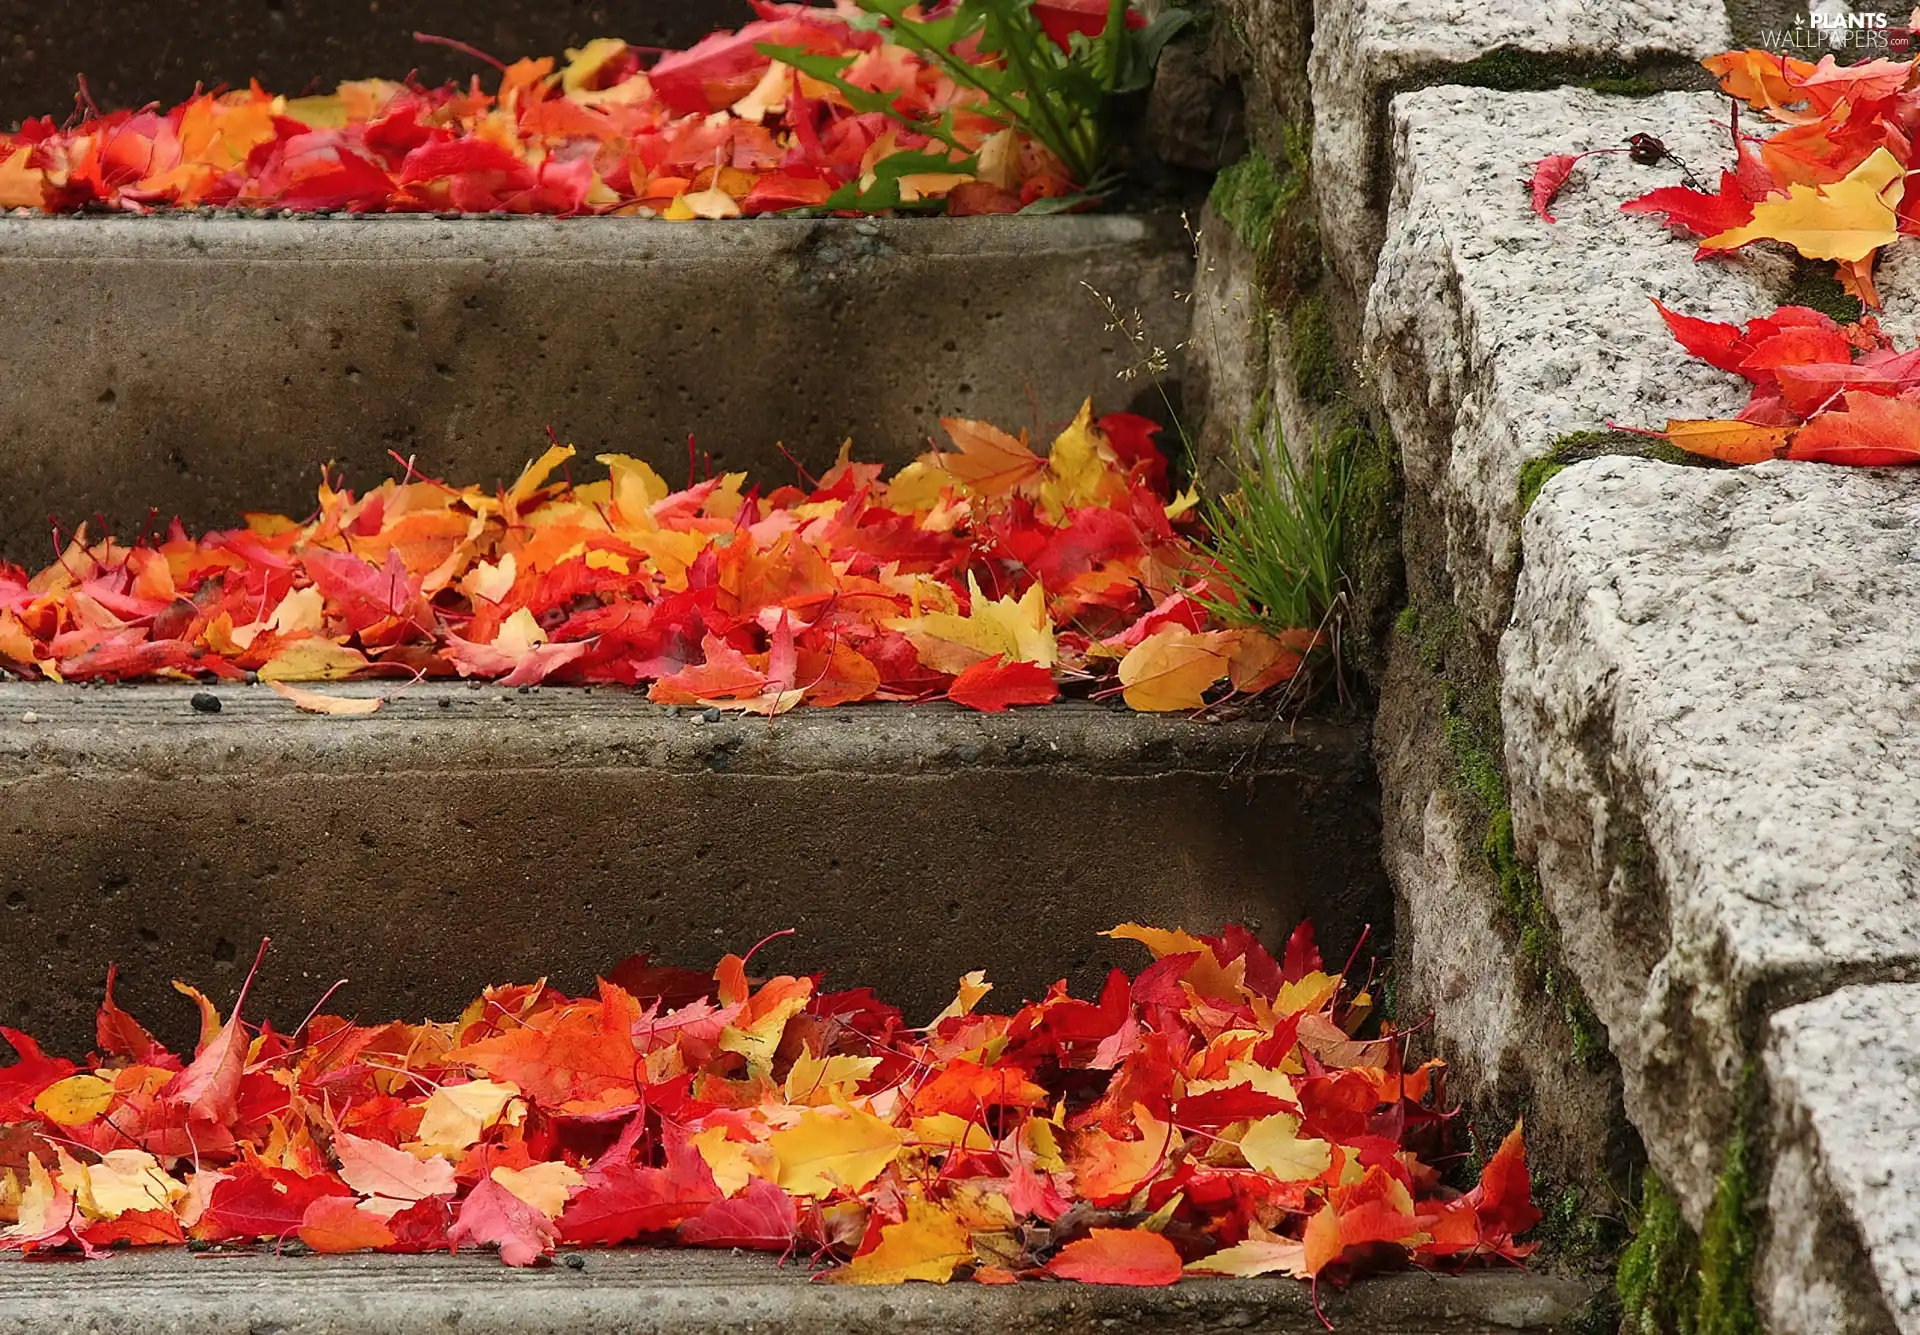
[825, 1152]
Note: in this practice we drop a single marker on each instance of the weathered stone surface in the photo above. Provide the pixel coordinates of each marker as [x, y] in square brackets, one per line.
[689, 1292]
[461, 836]
[1711, 701]
[1366, 50]
[1843, 1086]
[208, 366]
[1240, 385]
[1460, 967]
[1492, 334]
[159, 49]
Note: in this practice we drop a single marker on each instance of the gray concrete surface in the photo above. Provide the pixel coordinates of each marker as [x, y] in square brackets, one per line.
[206, 366]
[460, 837]
[158, 49]
[1712, 702]
[692, 1293]
[1843, 1081]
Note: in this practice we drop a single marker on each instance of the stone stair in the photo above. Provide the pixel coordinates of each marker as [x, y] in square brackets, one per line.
[1646, 732]
[638, 1292]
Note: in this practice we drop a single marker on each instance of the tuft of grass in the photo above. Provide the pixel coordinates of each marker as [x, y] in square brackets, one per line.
[1278, 541]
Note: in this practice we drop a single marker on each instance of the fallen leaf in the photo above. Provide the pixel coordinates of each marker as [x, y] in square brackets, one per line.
[929, 1244]
[1127, 1256]
[314, 702]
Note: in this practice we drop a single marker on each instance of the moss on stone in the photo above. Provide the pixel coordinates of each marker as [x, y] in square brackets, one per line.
[1672, 1280]
[1510, 70]
[1728, 1238]
[1370, 530]
[1658, 1269]
[1535, 474]
[1814, 285]
[1248, 196]
[1316, 355]
[1470, 722]
[1578, 445]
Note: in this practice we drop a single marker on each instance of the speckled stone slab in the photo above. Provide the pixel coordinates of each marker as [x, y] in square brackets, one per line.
[1712, 707]
[1843, 1076]
[1365, 50]
[1492, 333]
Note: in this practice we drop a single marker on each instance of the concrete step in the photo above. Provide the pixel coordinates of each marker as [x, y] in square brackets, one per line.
[205, 366]
[465, 836]
[160, 49]
[641, 1292]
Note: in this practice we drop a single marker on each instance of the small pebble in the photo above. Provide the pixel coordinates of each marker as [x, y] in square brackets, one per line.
[445, 703]
[205, 702]
[713, 716]
[698, 720]
[29, 717]
[574, 1261]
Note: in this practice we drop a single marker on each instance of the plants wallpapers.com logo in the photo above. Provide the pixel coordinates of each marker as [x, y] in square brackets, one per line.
[1831, 28]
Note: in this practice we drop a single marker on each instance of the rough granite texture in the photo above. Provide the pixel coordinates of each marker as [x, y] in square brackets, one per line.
[1492, 333]
[1843, 1080]
[1462, 977]
[465, 836]
[206, 366]
[1711, 700]
[1365, 50]
[690, 1292]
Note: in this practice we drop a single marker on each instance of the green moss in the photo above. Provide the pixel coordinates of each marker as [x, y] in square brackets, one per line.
[1728, 1244]
[1569, 1226]
[1535, 474]
[1407, 624]
[1316, 357]
[1657, 1271]
[1370, 531]
[1470, 721]
[1248, 196]
[1815, 285]
[1511, 70]
[1672, 1282]
[1578, 445]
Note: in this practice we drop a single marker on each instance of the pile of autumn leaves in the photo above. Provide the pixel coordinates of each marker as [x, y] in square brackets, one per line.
[1832, 184]
[985, 574]
[1214, 1114]
[720, 130]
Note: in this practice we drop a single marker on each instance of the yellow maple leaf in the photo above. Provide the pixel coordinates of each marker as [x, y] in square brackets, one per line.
[544, 1186]
[74, 1101]
[1206, 974]
[927, 1245]
[312, 659]
[1017, 629]
[123, 1180]
[1173, 667]
[1273, 1145]
[1846, 220]
[827, 1152]
[813, 1081]
[454, 1116]
[973, 986]
[730, 1161]
[1082, 469]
